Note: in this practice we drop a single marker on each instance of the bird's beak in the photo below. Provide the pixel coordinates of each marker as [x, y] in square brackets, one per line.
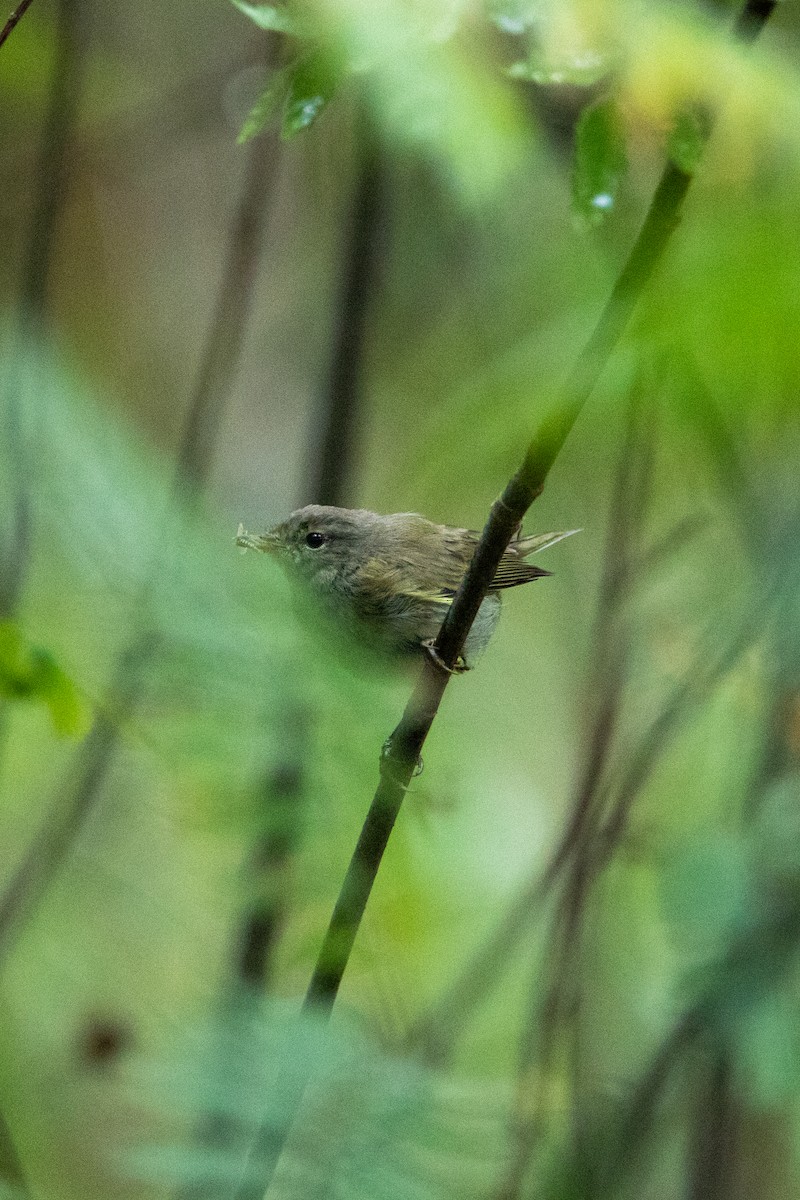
[268, 542]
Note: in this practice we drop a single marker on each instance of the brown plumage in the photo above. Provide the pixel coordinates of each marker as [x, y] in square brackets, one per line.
[393, 577]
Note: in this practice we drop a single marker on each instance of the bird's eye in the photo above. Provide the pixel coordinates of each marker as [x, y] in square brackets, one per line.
[315, 540]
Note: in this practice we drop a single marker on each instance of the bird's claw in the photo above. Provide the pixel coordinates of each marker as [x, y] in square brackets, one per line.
[458, 668]
[387, 765]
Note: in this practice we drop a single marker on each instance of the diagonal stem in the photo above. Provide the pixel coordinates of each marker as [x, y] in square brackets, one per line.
[14, 19]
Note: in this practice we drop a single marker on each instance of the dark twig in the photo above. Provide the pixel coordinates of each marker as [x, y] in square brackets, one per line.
[258, 935]
[271, 861]
[605, 693]
[215, 375]
[712, 1168]
[223, 345]
[332, 447]
[48, 199]
[49, 195]
[14, 19]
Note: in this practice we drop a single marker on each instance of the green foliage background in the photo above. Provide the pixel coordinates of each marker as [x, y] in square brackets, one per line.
[636, 1033]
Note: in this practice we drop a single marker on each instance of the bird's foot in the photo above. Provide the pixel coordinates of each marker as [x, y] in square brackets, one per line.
[387, 762]
[459, 667]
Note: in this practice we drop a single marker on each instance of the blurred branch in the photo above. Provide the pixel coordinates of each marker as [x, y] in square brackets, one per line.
[273, 854]
[332, 452]
[14, 19]
[712, 1168]
[65, 86]
[48, 199]
[757, 960]
[259, 933]
[433, 1033]
[605, 690]
[212, 386]
[223, 345]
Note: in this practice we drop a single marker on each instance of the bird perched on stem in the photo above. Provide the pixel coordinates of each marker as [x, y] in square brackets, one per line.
[392, 578]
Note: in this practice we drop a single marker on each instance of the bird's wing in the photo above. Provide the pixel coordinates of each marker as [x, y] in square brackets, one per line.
[513, 571]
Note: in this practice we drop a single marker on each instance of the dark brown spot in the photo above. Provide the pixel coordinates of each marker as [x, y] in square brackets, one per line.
[103, 1041]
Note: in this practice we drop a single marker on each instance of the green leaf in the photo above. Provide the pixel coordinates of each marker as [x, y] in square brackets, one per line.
[311, 85]
[267, 16]
[28, 672]
[301, 89]
[266, 106]
[688, 139]
[68, 711]
[600, 161]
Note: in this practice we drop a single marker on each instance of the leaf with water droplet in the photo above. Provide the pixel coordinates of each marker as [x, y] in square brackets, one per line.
[600, 161]
[311, 85]
[584, 69]
[511, 16]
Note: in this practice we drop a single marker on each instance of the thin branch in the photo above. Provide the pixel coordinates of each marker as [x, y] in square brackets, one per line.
[49, 195]
[223, 345]
[65, 85]
[14, 19]
[712, 1169]
[273, 855]
[258, 935]
[433, 1032]
[607, 680]
[332, 450]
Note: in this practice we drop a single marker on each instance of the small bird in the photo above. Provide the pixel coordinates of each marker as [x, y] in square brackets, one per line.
[392, 578]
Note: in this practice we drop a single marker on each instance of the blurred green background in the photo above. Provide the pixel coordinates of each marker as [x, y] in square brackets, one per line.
[373, 303]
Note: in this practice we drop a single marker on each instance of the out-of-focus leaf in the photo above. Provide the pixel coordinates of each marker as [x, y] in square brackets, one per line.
[267, 105]
[688, 139]
[301, 90]
[581, 70]
[708, 893]
[370, 1126]
[311, 85]
[429, 90]
[268, 16]
[511, 16]
[600, 161]
[769, 1046]
[29, 673]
